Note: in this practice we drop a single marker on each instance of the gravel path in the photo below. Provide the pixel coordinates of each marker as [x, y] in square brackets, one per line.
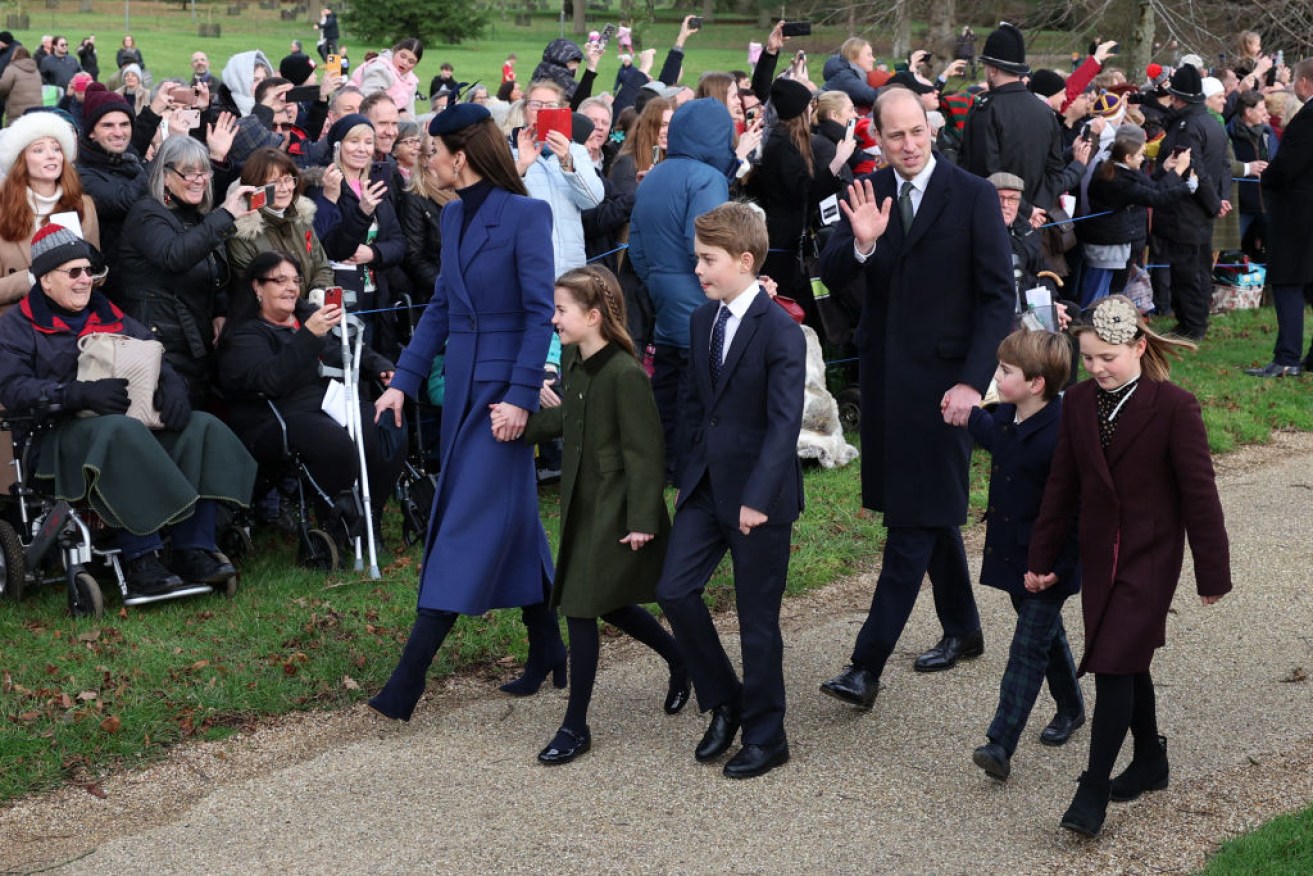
[890, 791]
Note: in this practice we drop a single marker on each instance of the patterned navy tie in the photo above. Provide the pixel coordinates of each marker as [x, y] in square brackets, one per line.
[718, 344]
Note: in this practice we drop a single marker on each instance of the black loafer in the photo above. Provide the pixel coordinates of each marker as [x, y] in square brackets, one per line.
[1272, 369]
[566, 747]
[950, 650]
[720, 734]
[1061, 728]
[993, 760]
[677, 694]
[855, 686]
[756, 760]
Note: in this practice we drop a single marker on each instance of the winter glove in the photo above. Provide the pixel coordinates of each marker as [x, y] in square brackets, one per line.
[174, 408]
[107, 396]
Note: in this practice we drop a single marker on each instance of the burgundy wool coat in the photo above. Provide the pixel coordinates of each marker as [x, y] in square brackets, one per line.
[1136, 502]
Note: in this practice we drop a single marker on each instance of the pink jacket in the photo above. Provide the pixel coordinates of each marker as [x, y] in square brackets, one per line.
[378, 74]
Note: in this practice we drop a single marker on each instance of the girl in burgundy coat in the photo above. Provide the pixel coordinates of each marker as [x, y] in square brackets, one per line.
[1132, 460]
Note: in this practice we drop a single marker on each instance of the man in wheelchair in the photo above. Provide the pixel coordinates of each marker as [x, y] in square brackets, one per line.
[88, 449]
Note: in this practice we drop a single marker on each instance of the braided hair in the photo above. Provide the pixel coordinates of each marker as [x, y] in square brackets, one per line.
[595, 288]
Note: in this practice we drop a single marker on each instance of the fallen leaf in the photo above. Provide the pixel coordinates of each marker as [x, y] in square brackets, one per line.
[96, 791]
[350, 683]
[29, 717]
[111, 724]
[65, 701]
[199, 664]
[88, 695]
[89, 636]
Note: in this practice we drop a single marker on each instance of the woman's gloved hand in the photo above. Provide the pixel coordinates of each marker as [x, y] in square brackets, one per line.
[107, 396]
[174, 408]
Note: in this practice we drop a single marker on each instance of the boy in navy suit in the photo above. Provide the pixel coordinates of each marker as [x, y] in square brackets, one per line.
[740, 489]
[1021, 436]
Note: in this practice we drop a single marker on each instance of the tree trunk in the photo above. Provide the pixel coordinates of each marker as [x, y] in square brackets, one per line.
[902, 31]
[580, 14]
[708, 11]
[1142, 40]
[943, 27]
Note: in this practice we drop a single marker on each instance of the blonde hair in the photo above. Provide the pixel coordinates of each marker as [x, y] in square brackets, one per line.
[735, 227]
[1156, 364]
[423, 183]
[830, 103]
[852, 47]
[593, 287]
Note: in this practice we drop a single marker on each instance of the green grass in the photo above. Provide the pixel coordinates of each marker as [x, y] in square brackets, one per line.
[78, 697]
[1282, 847]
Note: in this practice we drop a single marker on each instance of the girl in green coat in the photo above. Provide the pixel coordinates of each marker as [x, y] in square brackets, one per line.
[613, 513]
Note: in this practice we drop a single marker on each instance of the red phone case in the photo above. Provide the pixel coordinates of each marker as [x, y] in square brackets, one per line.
[554, 120]
[333, 295]
[258, 199]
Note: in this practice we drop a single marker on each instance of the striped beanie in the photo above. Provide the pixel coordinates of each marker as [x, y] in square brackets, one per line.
[54, 245]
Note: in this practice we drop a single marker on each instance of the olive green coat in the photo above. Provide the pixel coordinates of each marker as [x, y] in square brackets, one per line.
[612, 482]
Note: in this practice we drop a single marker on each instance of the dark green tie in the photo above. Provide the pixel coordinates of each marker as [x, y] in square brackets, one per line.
[905, 206]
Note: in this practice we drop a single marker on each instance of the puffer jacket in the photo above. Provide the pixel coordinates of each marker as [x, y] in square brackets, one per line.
[693, 179]
[20, 87]
[569, 194]
[173, 278]
[293, 232]
[553, 66]
[843, 75]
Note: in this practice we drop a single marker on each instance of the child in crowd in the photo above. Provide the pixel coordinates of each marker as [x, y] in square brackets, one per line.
[614, 524]
[1020, 435]
[1132, 460]
[740, 488]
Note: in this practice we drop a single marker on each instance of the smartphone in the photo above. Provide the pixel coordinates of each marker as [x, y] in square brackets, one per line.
[333, 296]
[183, 95]
[695, 23]
[656, 154]
[1178, 150]
[192, 117]
[852, 128]
[559, 119]
[796, 28]
[260, 197]
[608, 34]
[303, 93]
[1116, 49]
[333, 65]
[337, 152]
[801, 57]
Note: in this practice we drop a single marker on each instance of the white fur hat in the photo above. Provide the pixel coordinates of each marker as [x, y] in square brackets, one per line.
[30, 127]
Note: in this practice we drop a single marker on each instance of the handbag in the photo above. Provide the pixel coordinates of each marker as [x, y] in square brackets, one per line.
[792, 308]
[103, 355]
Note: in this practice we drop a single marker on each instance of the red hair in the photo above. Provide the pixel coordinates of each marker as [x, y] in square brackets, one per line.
[16, 216]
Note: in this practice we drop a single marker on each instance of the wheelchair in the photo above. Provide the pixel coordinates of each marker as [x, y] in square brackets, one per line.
[44, 540]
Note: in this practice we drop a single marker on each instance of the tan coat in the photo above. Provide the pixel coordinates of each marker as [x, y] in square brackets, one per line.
[16, 257]
[20, 87]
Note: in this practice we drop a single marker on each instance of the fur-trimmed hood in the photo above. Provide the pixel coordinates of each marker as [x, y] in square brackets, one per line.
[252, 225]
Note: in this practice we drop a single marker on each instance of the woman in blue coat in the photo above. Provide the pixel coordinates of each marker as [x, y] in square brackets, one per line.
[492, 309]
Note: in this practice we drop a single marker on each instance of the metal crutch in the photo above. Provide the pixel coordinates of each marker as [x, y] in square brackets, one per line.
[351, 382]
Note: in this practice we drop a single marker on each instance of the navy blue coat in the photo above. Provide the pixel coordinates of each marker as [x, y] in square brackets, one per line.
[744, 433]
[492, 308]
[1022, 454]
[938, 300]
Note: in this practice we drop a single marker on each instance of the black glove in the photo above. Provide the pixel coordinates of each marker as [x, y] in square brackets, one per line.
[174, 408]
[107, 396]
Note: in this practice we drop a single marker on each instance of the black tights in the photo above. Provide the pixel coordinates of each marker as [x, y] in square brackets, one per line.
[1121, 702]
[584, 646]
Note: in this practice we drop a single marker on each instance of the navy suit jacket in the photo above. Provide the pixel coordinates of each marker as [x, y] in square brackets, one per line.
[744, 433]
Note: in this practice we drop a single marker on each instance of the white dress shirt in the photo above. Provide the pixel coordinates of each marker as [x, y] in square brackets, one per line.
[737, 309]
[919, 183]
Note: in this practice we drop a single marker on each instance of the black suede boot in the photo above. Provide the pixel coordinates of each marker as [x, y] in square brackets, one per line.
[398, 697]
[1089, 807]
[547, 653]
[1147, 771]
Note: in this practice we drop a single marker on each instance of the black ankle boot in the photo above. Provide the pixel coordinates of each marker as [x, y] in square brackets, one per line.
[398, 697]
[1147, 771]
[1089, 807]
[547, 653]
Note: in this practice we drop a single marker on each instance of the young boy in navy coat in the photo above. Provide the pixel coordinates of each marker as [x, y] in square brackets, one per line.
[740, 489]
[1020, 436]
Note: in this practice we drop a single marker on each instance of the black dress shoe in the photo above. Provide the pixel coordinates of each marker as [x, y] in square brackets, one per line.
[677, 694]
[949, 650]
[1061, 728]
[567, 745]
[1272, 369]
[199, 566]
[756, 760]
[855, 686]
[720, 734]
[993, 760]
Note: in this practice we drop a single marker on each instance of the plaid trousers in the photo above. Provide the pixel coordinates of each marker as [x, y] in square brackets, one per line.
[1039, 651]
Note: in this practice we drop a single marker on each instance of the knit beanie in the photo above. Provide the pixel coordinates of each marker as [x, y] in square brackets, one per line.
[296, 68]
[1131, 133]
[53, 246]
[1046, 83]
[100, 102]
[1005, 49]
[130, 68]
[790, 98]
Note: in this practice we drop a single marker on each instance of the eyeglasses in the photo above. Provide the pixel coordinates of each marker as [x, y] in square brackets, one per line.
[193, 176]
[540, 104]
[407, 141]
[285, 182]
[282, 281]
[78, 273]
[283, 126]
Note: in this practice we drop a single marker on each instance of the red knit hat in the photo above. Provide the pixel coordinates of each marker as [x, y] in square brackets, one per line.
[100, 102]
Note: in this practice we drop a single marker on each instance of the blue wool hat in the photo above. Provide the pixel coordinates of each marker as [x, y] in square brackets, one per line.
[344, 125]
[457, 118]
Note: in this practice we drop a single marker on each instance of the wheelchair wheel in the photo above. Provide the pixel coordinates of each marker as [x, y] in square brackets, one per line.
[318, 550]
[850, 408]
[227, 588]
[13, 574]
[235, 541]
[86, 600]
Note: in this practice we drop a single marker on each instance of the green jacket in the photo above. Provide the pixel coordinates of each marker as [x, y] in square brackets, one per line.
[292, 232]
[612, 482]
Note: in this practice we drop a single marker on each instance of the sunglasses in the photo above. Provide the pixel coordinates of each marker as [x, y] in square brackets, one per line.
[78, 273]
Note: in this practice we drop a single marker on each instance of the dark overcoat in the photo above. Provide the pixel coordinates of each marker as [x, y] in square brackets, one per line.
[492, 308]
[1136, 503]
[612, 482]
[938, 301]
[1288, 193]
